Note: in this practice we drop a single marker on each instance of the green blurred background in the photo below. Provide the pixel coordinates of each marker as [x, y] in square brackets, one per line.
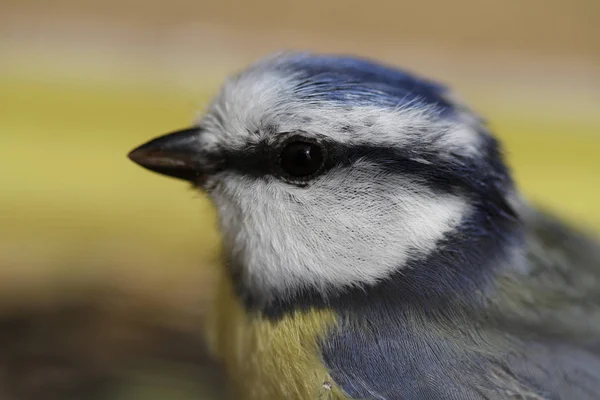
[83, 82]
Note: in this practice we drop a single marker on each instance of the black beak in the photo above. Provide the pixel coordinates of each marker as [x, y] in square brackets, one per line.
[176, 154]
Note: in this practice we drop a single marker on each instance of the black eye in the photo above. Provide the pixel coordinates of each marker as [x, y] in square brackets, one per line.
[301, 159]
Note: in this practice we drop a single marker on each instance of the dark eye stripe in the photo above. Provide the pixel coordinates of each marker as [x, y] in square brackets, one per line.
[262, 160]
[441, 175]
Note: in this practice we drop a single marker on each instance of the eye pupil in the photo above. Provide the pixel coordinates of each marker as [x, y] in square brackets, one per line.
[301, 159]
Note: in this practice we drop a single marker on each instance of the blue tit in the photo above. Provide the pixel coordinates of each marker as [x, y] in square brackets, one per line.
[375, 245]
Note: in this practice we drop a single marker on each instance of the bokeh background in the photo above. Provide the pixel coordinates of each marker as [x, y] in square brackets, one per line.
[105, 269]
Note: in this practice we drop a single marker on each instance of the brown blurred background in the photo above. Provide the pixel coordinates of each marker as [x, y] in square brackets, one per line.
[105, 269]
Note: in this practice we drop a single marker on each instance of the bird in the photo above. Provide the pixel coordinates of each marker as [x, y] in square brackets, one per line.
[375, 244]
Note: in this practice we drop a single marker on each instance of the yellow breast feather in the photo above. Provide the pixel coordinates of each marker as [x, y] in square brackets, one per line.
[271, 360]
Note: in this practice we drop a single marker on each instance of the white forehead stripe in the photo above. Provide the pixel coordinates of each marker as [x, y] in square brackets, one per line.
[350, 228]
[250, 106]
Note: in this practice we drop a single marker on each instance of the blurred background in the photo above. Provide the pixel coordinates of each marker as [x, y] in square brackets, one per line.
[105, 269]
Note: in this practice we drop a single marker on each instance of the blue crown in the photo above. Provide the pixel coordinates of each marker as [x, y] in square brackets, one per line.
[358, 81]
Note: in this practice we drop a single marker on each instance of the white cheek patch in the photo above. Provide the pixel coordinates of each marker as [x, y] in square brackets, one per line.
[351, 227]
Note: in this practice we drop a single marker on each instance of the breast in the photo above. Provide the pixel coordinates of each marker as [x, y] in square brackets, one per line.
[271, 359]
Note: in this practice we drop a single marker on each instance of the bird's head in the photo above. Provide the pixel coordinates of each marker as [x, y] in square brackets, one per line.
[331, 173]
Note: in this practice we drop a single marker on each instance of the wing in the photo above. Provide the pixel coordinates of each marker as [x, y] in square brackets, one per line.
[537, 337]
[558, 291]
[553, 308]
